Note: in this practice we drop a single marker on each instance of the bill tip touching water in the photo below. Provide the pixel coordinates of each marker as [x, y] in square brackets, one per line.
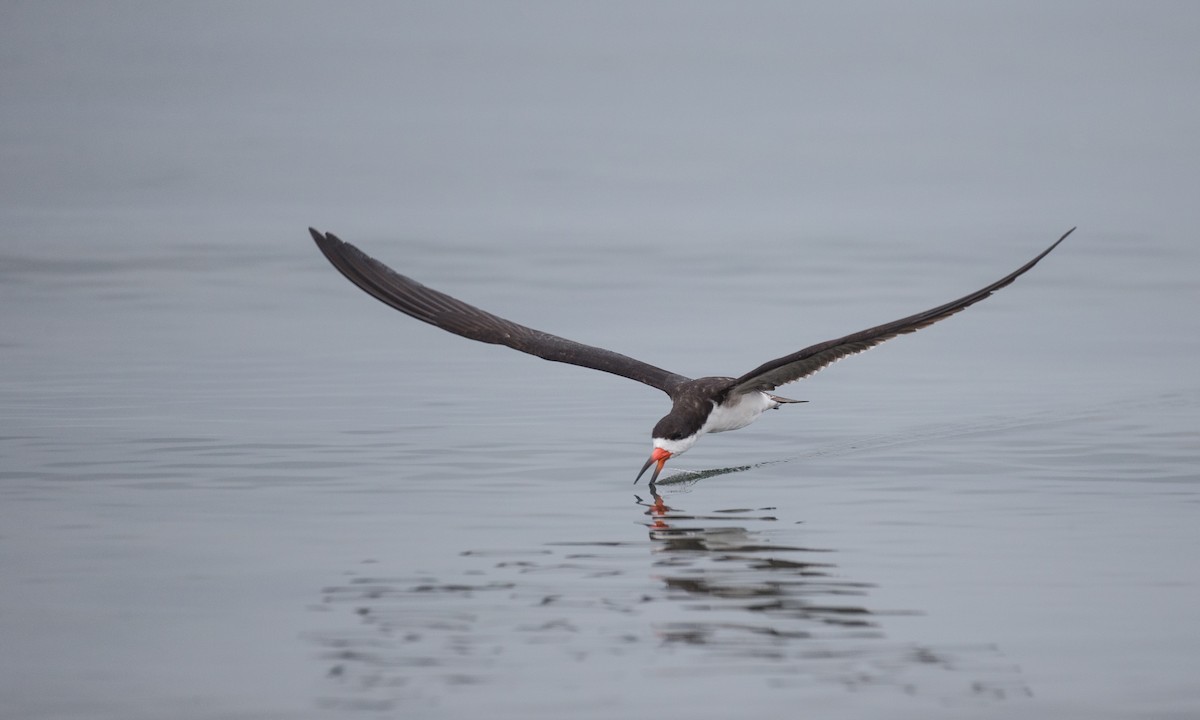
[698, 406]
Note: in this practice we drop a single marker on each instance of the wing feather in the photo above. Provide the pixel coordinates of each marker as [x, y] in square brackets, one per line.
[803, 363]
[453, 315]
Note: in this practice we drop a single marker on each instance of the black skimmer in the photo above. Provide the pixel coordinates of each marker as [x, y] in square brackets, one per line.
[703, 405]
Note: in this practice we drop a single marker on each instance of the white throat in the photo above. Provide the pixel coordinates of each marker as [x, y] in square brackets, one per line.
[676, 447]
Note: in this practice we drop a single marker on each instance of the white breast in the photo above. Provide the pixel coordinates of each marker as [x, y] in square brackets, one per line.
[737, 413]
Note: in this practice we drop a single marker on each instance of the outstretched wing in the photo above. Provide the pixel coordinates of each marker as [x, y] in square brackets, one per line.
[439, 309]
[790, 368]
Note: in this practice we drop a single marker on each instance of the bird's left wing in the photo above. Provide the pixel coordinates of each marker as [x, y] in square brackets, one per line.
[453, 315]
[798, 365]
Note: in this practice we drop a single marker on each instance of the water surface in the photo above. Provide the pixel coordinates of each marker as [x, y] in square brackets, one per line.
[232, 485]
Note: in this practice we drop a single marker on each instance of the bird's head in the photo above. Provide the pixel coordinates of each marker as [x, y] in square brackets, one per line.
[665, 449]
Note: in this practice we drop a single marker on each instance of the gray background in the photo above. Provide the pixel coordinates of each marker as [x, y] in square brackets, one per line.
[234, 486]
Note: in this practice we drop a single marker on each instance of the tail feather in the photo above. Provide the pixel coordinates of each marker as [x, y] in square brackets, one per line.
[782, 400]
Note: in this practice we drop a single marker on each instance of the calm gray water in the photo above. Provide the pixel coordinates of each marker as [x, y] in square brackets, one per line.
[234, 486]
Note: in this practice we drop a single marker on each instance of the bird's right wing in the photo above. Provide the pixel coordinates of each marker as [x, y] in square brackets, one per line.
[805, 362]
[453, 315]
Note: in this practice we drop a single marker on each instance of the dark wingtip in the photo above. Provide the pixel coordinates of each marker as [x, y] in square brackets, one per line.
[1064, 237]
[326, 241]
[323, 238]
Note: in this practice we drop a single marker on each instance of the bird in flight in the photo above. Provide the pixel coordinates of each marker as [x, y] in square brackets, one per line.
[699, 406]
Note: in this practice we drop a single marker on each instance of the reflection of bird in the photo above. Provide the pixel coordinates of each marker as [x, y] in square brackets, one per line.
[703, 405]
